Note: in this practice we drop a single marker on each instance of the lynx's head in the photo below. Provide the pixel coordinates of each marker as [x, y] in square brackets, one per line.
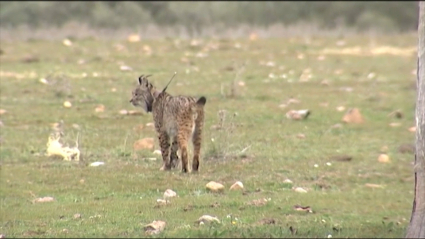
[143, 95]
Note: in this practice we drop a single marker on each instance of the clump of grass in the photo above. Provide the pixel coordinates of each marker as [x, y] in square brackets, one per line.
[223, 145]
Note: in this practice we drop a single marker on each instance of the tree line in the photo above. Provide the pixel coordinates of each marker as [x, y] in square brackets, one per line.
[363, 15]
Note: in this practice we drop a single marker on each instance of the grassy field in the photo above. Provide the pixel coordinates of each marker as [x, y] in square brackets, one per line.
[253, 81]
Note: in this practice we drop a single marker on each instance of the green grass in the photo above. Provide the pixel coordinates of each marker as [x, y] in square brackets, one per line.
[258, 146]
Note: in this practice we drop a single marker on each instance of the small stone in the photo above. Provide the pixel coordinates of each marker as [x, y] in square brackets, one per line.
[123, 112]
[412, 129]
[383, 158]
[96, 164]
[67, 42]
[77, 216]
[237, 186]
[214, 186]
[169, 193]
[133, 38]
[300, 190]
[155, 227]
[67, 104]
[340, 108]
[207, 219]
[297, 114]
[288, 181]
[353, 116]
[99, 108]
[44, 199]
[161, 202]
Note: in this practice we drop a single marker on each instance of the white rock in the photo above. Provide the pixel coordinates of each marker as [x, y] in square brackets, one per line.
[287, 181]
[95, 164]
[125, 68]
[169, 193]
[208, 219]
[67, 104]
[214, 186]
[300, 190]
[236, 186]
[155, 227]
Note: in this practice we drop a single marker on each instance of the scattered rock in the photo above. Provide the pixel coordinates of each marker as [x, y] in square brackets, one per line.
[299, 190]
[125, 68]
[95, 164]
[395, 124]
[207, 219]
[214, 186]
[372, 185]
[297, 114]
[146, 143]
[155, 227]
[237, 186]
[44, 199]
[300, 136]
[324, 82]
[99, 108]
[134, 112]
[67, 104]
[133, 38]
[2, 111]
[161, 202]
[412, 129]
[157, 151]
[123, 112]
[77, 216]
[301, 208]
[288, 181]
[67, 42]
[353, 116]
[340, 108]
[407, 148]
[169, 193]
[383, 158]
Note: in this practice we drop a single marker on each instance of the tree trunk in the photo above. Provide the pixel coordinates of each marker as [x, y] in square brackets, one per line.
[416, 228]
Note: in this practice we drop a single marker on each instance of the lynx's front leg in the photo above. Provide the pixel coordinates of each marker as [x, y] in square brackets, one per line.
[164, 142]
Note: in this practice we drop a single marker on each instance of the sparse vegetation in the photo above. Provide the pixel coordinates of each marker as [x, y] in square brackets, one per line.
[320, 163]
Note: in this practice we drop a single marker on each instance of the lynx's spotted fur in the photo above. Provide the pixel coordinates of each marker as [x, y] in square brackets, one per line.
[176, 118]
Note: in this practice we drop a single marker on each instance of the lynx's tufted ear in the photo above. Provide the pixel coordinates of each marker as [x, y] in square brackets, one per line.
[143, 80]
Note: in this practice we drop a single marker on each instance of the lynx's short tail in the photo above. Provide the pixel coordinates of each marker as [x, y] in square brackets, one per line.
[201, 101]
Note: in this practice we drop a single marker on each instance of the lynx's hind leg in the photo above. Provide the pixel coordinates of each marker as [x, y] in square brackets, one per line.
[164, 142]
[174, 158]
